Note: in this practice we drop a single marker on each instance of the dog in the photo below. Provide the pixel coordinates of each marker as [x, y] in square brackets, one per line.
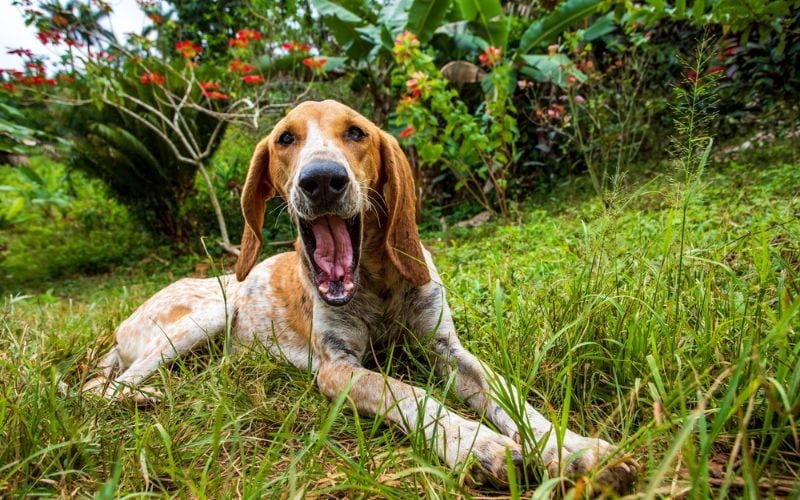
[358, 269]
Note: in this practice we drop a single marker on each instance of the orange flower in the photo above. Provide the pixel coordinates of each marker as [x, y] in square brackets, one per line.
[188, 50]
[210, 86]
[152, 78]
[253, 79]
[237, 66]
[157, 19]
[407, 132]
[60, 20]
[315, 63]
[66, 78]
[490, 56]
[295, 46]
[243, 37]
[212, 94]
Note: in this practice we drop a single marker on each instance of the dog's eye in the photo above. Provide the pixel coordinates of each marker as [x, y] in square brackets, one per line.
[286, 138]
[355, 134]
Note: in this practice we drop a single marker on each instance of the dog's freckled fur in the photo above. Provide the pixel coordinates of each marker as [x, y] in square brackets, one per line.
[276, 304]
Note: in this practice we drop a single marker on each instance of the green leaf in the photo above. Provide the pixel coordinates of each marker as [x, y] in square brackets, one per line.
[601, 27]
[344, 25]
[547, 29]
[394, 15]
[555, 69]
[425, 16]
[487, 20]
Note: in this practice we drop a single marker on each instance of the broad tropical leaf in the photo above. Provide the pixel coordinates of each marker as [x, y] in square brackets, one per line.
[487, 19]
[547, 29]
[425, 16]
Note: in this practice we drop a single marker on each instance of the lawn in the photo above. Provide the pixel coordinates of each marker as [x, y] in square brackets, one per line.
[672, 332]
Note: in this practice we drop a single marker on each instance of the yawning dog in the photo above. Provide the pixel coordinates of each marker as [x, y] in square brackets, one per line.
[358, 269]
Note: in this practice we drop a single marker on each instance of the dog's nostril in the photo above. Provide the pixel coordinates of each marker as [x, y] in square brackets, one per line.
[338, 184]
[309, 186]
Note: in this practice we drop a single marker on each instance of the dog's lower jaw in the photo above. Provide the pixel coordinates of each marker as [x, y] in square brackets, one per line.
[332, 248]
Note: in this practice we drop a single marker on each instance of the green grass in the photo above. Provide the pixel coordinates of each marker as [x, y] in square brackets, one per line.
[697, 377]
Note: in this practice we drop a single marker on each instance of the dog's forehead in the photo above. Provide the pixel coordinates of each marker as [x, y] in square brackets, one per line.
[324, 116]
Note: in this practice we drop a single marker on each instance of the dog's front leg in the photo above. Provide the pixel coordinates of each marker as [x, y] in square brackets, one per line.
[483, 389]
[453, 437]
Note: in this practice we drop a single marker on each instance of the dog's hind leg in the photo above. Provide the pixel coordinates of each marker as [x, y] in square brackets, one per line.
[107, 366]
[176, 320]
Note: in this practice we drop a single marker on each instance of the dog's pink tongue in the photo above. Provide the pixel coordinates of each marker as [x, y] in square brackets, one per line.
[334, 252]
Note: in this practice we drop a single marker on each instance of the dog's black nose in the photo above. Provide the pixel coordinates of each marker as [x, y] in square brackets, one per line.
[323, 181]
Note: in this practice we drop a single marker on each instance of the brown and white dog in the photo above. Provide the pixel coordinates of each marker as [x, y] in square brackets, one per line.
[359, 270]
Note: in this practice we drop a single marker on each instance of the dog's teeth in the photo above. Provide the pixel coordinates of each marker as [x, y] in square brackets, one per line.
[323, 287]
[349, 285]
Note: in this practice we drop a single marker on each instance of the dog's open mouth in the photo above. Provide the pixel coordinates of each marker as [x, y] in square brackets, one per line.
[333, 247]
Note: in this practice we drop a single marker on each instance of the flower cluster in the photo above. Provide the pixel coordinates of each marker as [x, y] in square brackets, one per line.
[404, 44]
[253, 79]
[34, 78]
[316, 64]
[244, 37]
[210, 90]
[295, 46]
[237, 66]
[49, 37]
[188, 50]
[152, 78]
[491, 56]
[416, 84]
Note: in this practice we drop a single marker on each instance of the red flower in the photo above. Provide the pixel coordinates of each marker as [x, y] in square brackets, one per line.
[211, 94]
[413, 85]
[490, 56]
[243, 37]
[716, 69]
[406, 39]
[154, 78]
[21, 52]
[732, 51]
[407, 132]
[315, 63]
[404, 44]
[9, 86]
[73, 43]
[692, 75]
[235, 42]
[47, 37]
[248, 34]
[253, 79]
[237, 66]
[295, 46]
[35, 66]
[210, 86]
[188, 50]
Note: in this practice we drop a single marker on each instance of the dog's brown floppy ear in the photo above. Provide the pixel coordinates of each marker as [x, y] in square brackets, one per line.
[257, 191]
[402, 239]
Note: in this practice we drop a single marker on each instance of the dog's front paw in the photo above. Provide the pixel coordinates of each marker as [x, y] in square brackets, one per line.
[581, 455]
[484, 449]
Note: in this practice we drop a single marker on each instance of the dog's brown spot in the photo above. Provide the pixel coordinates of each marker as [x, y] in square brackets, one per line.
[175, 313]
[291, 294]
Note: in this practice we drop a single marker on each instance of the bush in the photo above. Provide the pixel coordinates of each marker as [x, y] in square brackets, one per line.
[87, 234]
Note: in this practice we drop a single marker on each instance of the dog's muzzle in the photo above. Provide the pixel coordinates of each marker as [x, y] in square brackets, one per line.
[331, 234]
